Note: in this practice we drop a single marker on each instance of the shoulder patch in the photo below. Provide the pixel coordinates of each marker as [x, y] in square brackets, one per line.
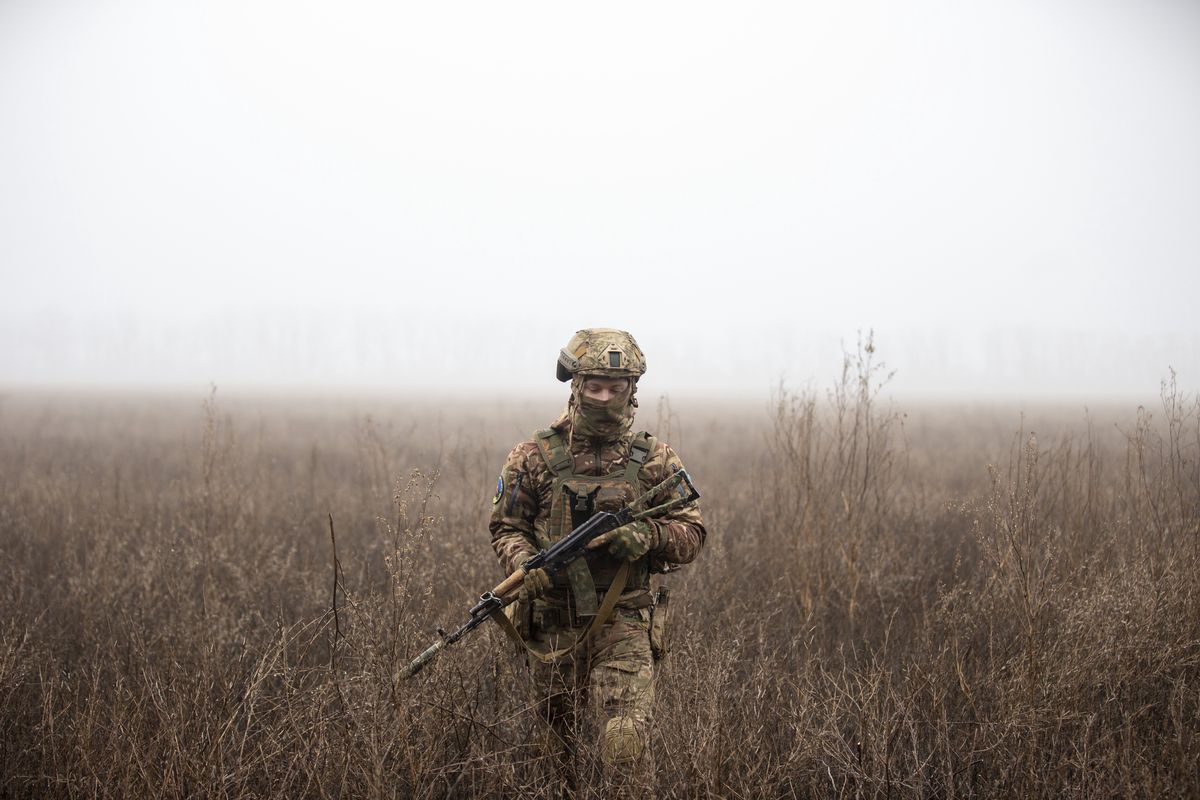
[499, 489]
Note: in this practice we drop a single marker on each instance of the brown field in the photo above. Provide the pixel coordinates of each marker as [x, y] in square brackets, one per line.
[893, 602]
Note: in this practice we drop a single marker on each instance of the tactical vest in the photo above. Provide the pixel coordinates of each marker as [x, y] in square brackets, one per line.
[575, 498]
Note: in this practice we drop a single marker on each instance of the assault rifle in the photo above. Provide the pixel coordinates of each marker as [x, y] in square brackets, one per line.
[558, 555]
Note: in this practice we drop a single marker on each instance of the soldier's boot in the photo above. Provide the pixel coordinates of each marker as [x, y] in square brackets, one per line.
[557, 747]
[560, 737]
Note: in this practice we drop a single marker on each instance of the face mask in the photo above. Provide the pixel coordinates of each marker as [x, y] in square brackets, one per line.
[601, 421]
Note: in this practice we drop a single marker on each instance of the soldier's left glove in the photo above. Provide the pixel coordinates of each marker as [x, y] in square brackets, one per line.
[628, 542]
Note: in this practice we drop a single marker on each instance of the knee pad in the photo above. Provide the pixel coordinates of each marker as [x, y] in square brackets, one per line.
[622, 743]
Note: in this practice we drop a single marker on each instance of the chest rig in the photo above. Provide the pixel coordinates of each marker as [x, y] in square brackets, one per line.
[575, 498]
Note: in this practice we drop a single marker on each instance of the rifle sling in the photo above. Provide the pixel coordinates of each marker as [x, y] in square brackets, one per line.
[606, 608]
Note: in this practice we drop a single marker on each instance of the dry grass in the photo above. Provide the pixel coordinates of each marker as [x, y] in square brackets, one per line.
[929, 602]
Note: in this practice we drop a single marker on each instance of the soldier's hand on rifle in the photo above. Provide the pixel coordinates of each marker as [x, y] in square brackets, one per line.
[536, 584]
[629, 542]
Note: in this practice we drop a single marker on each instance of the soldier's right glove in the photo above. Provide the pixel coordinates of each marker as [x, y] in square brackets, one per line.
[536, 584]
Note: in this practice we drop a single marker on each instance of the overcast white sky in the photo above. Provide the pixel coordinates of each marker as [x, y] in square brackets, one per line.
[436, 195]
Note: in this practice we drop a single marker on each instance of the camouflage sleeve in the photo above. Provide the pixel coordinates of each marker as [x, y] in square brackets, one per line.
[514, 509]
[681, 531]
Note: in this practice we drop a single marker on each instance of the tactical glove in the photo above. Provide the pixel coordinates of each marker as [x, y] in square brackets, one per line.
[536, 584]
[628, 542]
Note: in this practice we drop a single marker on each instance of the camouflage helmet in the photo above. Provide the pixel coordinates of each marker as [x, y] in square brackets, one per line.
[601, 351]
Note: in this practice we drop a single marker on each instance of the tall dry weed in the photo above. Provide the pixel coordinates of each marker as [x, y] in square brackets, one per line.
[831, 478]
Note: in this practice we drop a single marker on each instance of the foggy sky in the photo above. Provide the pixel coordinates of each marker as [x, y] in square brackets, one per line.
[435, 196]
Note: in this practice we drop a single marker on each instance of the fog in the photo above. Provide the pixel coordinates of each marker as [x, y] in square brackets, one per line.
[433, 197]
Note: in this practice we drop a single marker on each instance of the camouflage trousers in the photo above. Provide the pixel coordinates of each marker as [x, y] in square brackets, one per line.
[597, 699]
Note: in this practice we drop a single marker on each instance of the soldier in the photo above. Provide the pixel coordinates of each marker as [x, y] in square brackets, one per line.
[591, 460]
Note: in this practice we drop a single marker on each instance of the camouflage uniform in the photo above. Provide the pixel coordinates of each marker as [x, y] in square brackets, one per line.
[535, 503]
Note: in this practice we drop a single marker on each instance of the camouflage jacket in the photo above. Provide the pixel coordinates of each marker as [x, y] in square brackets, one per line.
[524, 503]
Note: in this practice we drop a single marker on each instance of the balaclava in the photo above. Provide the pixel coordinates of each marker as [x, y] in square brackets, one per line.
[600, 422]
